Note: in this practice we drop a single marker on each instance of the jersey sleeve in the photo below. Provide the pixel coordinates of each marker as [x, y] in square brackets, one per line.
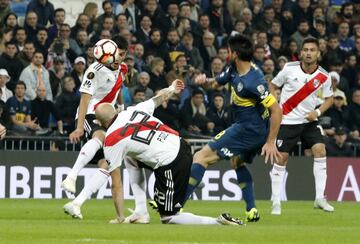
[261, 91]
[88, 84]
[280, 78]
[224, 77]
[148, 106]
[327, 90]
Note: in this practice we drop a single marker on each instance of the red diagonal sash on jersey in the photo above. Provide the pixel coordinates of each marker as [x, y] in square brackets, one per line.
[111, 95]
[303, 93]
[134, 129]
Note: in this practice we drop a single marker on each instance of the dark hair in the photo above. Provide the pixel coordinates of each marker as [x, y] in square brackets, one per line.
[20, 82]
[41, 28]
[121, 42]
[11, 42]
[117, 16]
[196, 91]
[139, 89]
[29, 42]
[155, 30]
[344, 6]
[38, 51]
[303, 21]
[19, 28]
[105, 2]
[242, 46]
[8, 15]
[59, 10]
[310, 40]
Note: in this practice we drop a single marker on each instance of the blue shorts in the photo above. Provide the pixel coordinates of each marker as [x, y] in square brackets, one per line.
[242, 140]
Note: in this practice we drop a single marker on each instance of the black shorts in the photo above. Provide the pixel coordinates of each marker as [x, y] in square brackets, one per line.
[90, 127]
[171, 182]
[309, 134]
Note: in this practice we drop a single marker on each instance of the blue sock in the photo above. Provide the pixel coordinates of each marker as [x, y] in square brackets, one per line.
[246, 184]
[196, 174]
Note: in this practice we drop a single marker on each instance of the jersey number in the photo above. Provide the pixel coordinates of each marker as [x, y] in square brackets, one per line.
[143, 125]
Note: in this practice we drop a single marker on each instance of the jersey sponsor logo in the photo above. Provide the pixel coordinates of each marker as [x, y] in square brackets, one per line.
[226, 152]
[240, 86]
[91, 75]
[87, 83]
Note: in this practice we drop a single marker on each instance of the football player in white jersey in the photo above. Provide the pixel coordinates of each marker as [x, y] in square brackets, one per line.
[300, 82]
[135, 133]
[101, 84]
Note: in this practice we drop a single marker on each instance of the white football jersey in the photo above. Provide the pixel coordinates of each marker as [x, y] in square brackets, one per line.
[102, 83]
[141, 136]
[299, 91]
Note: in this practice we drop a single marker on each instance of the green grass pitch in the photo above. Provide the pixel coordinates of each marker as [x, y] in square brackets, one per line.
[43, 221]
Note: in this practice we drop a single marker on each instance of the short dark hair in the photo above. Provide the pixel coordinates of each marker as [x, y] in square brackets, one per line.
[139, 89]
[59, 10]
[197, 91]
[11, 42]
[155, 30]
[41, 28]
[20, 83]
[310, 40]
[121, 42]
[19, 28]
[105, 2]
[242, 46]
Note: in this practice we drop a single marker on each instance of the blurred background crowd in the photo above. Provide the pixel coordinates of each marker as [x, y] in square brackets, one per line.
[43, 57]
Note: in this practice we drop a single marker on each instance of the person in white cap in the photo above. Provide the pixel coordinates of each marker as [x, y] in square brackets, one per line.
[78, 71]
[5, 93]
[335, 79]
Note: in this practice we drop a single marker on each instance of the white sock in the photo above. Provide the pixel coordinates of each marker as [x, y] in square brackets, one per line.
[87, 153]
[189, 219]
[320, 176]
[138, 185]
[277, 179]
[93, 185]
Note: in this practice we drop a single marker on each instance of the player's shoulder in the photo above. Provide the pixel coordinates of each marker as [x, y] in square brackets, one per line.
[292, 65]
[256, 74]
[324, 71]
[95, 67]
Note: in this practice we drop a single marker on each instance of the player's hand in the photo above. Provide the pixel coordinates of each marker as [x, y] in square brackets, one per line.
[76, 135]
[270, 151]
[200, 79]
[312, 116]
[178, 85]
[2, 132]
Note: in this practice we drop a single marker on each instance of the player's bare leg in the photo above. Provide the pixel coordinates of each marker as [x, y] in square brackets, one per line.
[277, 178]
[201, 160]
[86, 154]
[117, 196]
[320, 174]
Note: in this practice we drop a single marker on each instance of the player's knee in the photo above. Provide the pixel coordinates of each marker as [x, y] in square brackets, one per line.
[319, 151]
[205, 156]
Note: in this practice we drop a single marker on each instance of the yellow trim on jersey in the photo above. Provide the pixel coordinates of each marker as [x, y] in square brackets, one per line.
[268, 101]
[240, 101]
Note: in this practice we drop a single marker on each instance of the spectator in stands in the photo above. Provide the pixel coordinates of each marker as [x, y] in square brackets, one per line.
[5, 93]
[82, 23]
[262, 40]
[183, 26]
[265, 20]
[62, 46]
[219, 114]
[356, 50]
[171, 17]
[208, 49]
[236, 8]
[81, 41]
[143, 80]
[140, 64]
[239, 28]
[11, 63]
[4, 9]
[193, 115]
[346, 43]
[10, 21]
[20, 38]
[204, 26]
[185, 12]
[276, 47]
[319, 30]
[143, 33]
[89, 54]
[156, 47]
[41, 43]
[337, 65]
[27, 53]
[56, 74]
[6, 35]
[157, 78]
[223, 54]
[139, 96]
[354, 111]
[42, 109]
[121, 22]
[20, 111]
[107, 26]
[345, 14]
[132, 13]
[333, 51]
[107, 6]
[338, 146]
[67, 103]
[268, 67]
[78, 72]
[132, 74]
[281, 61]
[44, 10]
[31, 25]
[302, 31]
[174, 46]
[180, 70]
[302, 11]
[59, 19]
[91, 10]
[350, 69]
[155, 13]
[259, 55]
[220, 20]
[36, 75]
[195, 56]
[291, 51]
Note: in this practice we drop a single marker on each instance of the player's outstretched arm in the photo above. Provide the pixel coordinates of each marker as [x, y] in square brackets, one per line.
[269, 149]
[176, 87]
[79, 131]
[207, 83]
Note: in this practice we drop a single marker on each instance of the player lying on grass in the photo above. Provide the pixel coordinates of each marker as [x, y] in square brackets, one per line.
[137, 134]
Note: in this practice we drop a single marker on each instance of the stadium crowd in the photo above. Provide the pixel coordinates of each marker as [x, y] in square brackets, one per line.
[42, 62]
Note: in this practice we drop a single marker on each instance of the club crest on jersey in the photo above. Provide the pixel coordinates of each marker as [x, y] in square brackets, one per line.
[279, 143]
[91, 75]
[261, 89]
[240, 86]
[316, 83]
